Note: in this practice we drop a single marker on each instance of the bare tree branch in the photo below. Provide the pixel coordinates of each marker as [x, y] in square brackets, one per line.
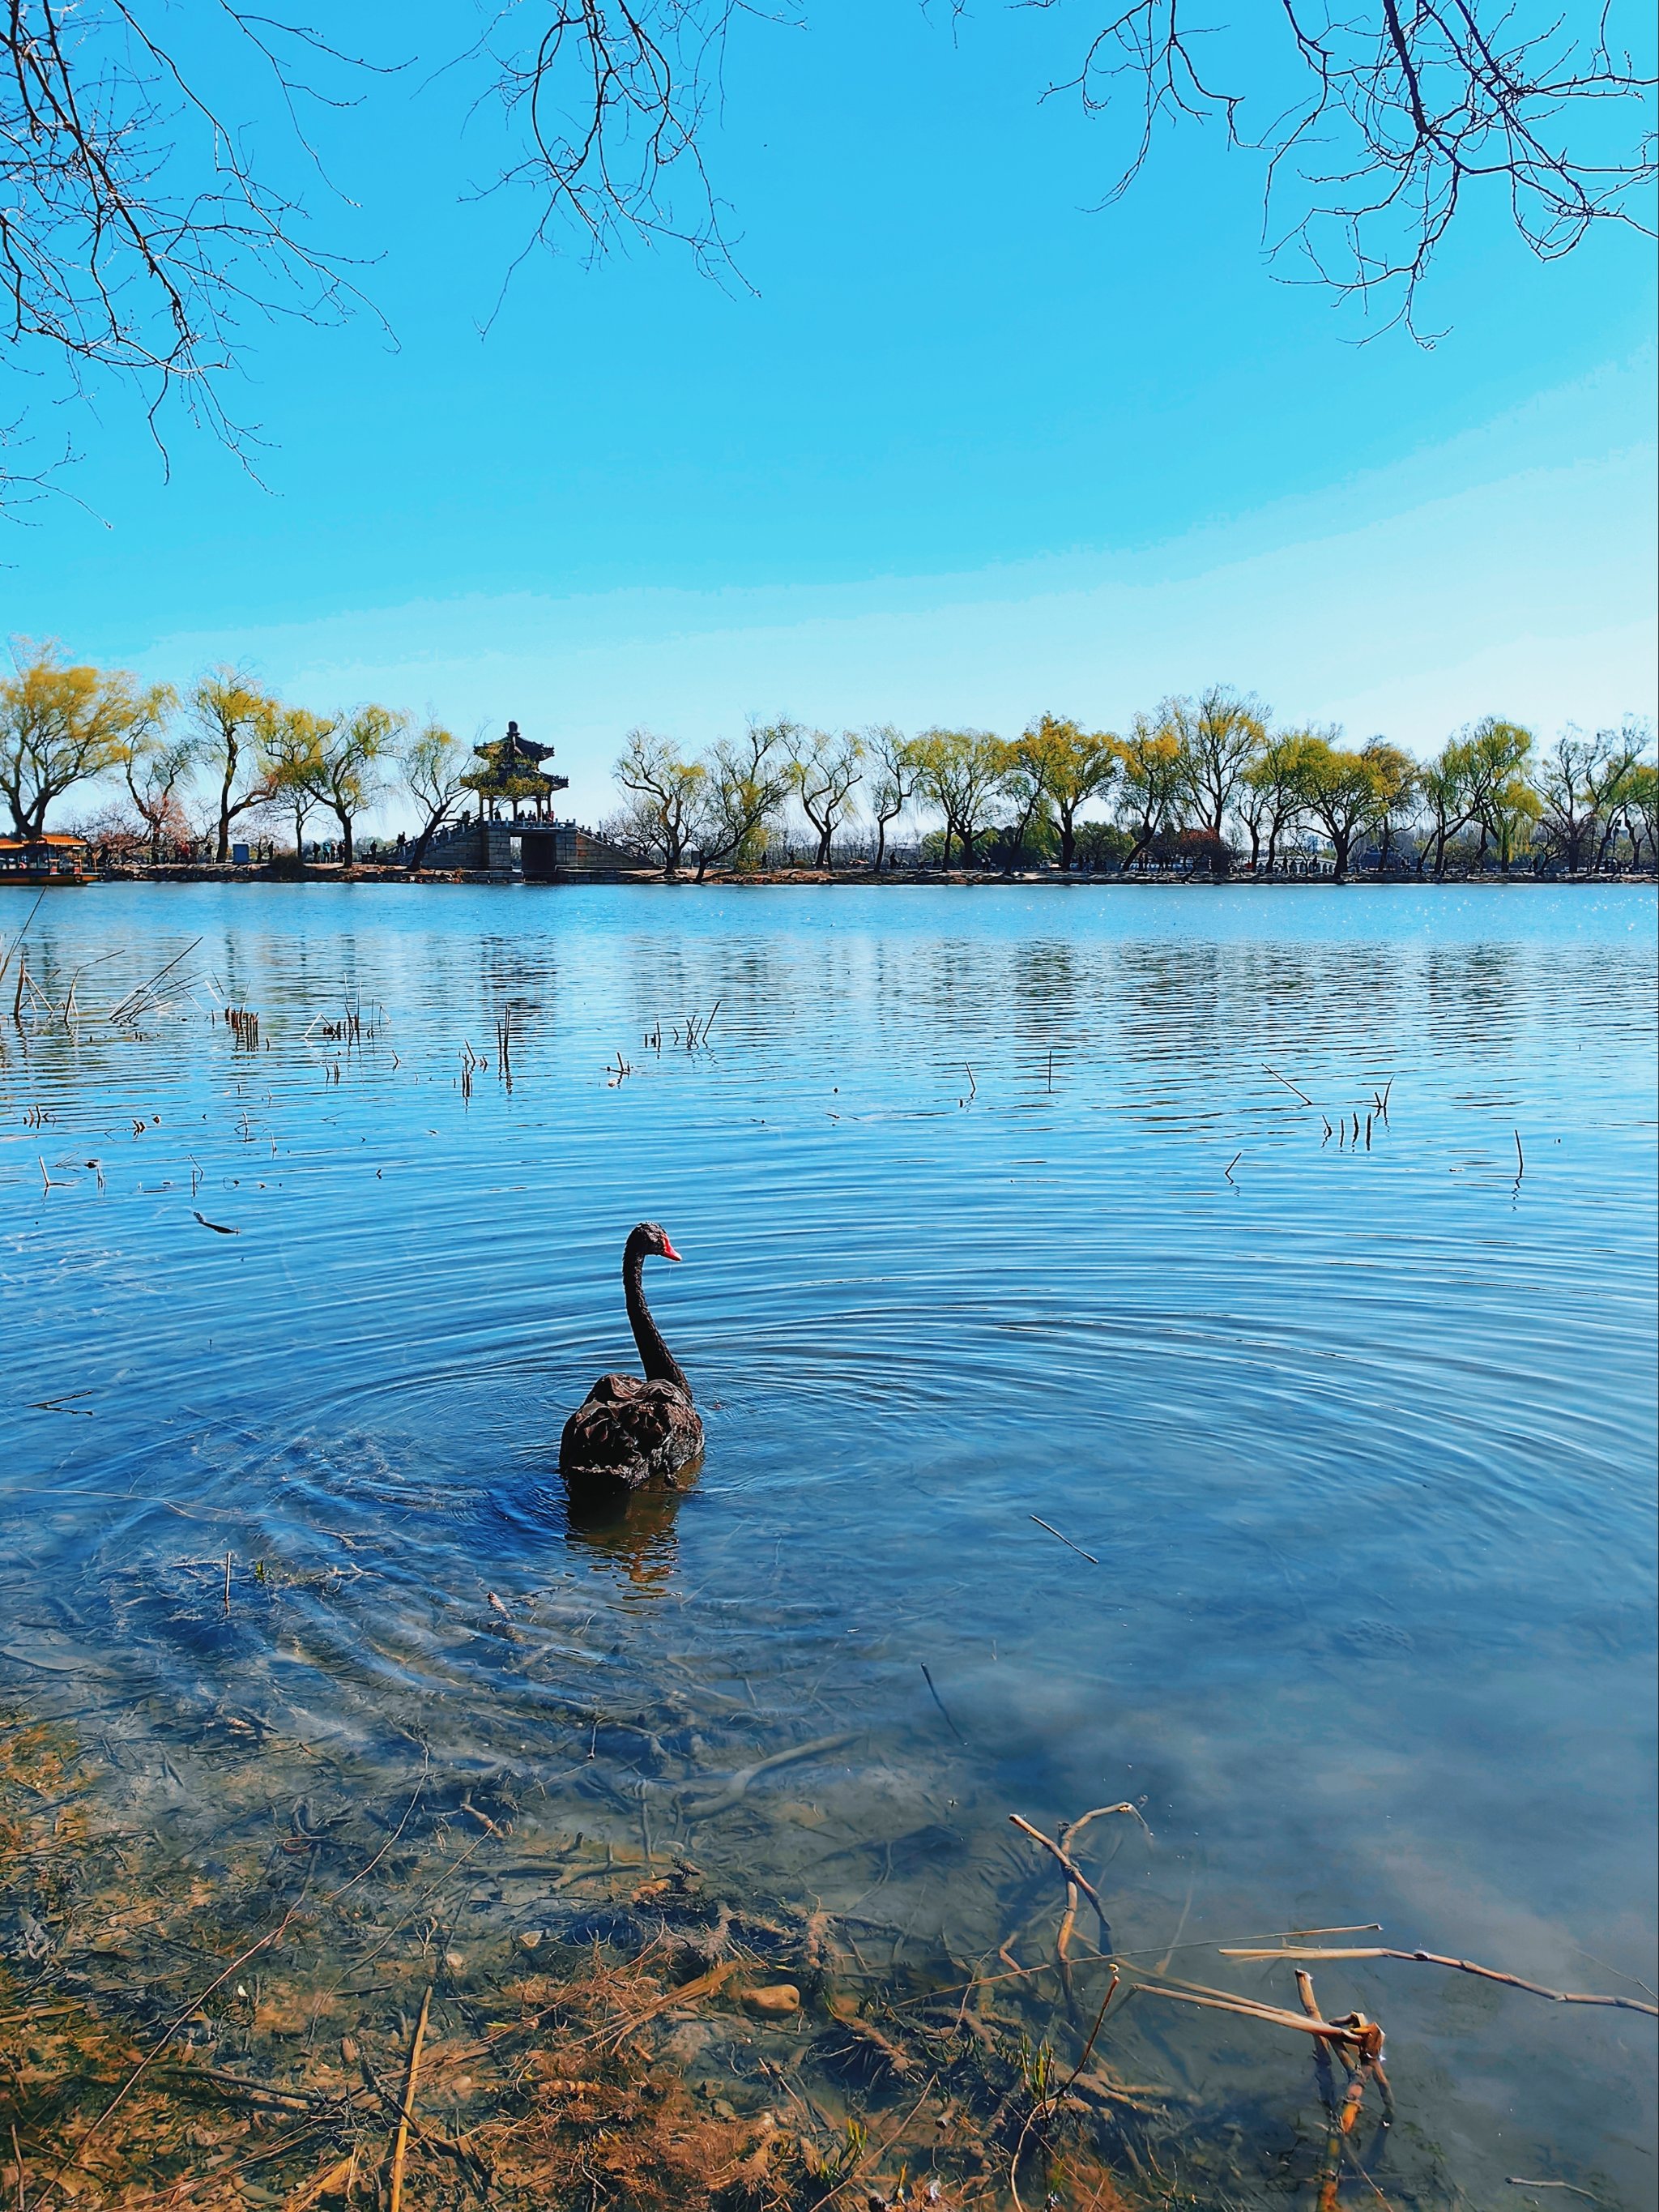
[1403, 106]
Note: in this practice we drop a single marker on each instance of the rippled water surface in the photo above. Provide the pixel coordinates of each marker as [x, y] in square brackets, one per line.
[992, 1215]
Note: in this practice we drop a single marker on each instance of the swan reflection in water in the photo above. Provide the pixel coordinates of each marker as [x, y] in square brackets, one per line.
[627, 1532]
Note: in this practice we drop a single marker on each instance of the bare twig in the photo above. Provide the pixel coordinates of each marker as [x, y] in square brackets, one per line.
[1458, 1966]
[1073, 1871]
[400, 2148]
[1067, 1541]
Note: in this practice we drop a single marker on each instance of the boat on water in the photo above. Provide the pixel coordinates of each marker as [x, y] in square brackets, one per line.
[45, 862]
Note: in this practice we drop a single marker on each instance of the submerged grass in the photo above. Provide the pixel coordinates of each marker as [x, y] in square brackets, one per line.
[302, 2020]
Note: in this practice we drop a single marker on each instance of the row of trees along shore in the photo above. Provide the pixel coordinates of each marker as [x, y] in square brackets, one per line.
[1205, 784]
[225, 757]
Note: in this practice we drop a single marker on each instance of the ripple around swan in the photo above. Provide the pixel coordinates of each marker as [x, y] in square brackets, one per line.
[998, 1212]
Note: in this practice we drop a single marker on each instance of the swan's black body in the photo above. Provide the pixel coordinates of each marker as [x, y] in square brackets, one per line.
[628, 1431]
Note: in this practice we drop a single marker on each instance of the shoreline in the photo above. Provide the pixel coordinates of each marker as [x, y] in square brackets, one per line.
[821, 878]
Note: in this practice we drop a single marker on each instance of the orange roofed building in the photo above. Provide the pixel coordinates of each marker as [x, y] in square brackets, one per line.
[55, 857]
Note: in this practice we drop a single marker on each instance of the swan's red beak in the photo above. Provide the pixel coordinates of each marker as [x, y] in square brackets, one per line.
[668, 1251]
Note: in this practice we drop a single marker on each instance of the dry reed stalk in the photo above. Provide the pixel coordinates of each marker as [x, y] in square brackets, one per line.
[1458, 1966]
[1515, 2181]
[940, 1702]
[1330, 2165]
[400, 2148]
[1067, 1541]
[21, 935]
[1287, 1083]
[128, 1005]
[1361, 2037]
[1073, 1871]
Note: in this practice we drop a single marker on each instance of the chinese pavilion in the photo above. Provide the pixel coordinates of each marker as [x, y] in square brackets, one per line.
[512, 774]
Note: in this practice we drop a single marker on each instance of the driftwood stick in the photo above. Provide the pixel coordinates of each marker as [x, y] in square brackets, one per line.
[1330, 2164]
[1067, 1541]
[1458, 1966]
[1287, 1083]
[1356, 2032]
[1515, 2181]
[737, 1784]
[400, 2147]
[1073, 1871]
[1062, 1941]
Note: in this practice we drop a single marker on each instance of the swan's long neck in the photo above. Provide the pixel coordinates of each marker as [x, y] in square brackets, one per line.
[659, 1362]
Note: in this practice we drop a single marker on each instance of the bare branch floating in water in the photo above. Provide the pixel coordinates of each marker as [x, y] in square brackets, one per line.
[1458, 1966]
[940, 1702]
[1287, 1083]
[1067, 1541]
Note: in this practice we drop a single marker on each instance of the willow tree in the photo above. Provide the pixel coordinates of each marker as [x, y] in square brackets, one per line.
[291, 740]
[1220, 735]
[1071, 765]
[63, 724]
[1153, 785]
[897, 776]
[745, 784]
[1571, 789]
[1639, 801]
[229, 710]
[1620, 759]
[1395, 776]
[156, 760]
[825, 770]
[664, 793]
[347, 768]
[432, 763]
[1342, 790]
[1498, 755]
[1447, 784]
[1271, 799]
[961, 773]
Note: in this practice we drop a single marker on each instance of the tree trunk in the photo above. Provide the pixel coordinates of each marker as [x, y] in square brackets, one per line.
[345, 836]
[1340, 839]
[1067, 843]
[231, 754]
[881, 842]
[417, 850]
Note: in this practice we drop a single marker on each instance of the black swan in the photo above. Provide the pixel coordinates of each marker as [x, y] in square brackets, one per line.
[626, 1431]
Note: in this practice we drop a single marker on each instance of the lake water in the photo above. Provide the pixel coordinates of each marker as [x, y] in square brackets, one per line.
[990, 1210]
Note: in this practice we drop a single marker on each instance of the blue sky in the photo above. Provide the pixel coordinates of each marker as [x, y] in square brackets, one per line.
[966, 450]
